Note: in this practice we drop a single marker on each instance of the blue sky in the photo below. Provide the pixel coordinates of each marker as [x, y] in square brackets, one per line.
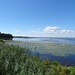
[38, 17]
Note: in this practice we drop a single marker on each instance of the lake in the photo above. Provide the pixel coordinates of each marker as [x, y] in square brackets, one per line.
[52, 48]
[63, 40]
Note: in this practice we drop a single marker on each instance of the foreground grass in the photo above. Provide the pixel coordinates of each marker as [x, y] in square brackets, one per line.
[15, 60]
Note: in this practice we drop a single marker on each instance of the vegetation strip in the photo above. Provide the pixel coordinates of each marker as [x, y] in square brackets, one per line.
[46, 48]
[15, 60]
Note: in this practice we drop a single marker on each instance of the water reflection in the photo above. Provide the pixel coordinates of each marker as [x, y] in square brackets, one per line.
[64, 60]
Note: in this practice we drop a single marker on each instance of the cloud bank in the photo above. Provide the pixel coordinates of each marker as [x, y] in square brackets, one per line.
[53, 31]
[56, 30]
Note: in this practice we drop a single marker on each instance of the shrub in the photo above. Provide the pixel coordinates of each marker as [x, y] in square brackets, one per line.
[1, 41]
[15, 60]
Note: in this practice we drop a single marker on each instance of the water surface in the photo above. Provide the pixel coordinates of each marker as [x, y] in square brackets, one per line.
[54, 49]
[48, 40]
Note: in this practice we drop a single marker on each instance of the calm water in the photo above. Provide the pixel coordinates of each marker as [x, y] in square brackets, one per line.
[64, 60]
[67, 60]
[48, 40]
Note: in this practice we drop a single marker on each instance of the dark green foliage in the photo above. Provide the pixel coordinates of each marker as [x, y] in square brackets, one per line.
[15, 60]
[56, 63]
[6, 36]
[1, 41]
[72, 71]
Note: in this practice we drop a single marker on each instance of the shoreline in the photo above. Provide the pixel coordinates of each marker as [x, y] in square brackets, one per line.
[59, 52]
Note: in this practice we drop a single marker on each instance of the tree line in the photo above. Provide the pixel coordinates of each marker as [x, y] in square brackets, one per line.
[6, 36]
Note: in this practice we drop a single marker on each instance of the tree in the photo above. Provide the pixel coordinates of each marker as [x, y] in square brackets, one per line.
[6, 36]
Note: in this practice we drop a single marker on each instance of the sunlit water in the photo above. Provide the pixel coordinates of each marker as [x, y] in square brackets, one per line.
[48, 40]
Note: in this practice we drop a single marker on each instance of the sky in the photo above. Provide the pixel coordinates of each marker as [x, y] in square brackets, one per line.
[38, 18]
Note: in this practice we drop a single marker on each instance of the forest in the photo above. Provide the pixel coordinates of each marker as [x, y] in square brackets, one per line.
[6, 36]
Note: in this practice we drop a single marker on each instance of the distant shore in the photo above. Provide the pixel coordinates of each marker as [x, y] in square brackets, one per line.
[23, 37]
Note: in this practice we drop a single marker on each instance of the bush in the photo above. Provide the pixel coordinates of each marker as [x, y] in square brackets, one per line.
[1, 41]
[15, 60]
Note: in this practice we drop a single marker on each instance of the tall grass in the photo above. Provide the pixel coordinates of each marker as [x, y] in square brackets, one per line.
[15, 60]
[1, 41]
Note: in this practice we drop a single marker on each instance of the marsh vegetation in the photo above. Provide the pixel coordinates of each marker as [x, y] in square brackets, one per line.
[47, 48]
[16, 60]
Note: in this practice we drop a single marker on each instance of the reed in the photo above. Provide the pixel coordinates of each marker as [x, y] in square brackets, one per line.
[15, 60]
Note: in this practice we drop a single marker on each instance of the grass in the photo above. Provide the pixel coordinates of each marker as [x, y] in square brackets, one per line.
[1, 41]
[16, 60]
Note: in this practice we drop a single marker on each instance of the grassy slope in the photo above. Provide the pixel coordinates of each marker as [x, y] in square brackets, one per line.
[15, 60]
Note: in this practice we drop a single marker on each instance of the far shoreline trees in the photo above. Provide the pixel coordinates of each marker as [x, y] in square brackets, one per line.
[6, 36]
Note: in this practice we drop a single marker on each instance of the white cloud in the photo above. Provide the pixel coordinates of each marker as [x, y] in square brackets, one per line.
[36, 31]
[53, 31]
[66, 31]
[17, 31]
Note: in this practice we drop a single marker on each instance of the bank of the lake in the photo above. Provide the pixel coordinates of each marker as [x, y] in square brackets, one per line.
[52, 51]
[15, 60]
